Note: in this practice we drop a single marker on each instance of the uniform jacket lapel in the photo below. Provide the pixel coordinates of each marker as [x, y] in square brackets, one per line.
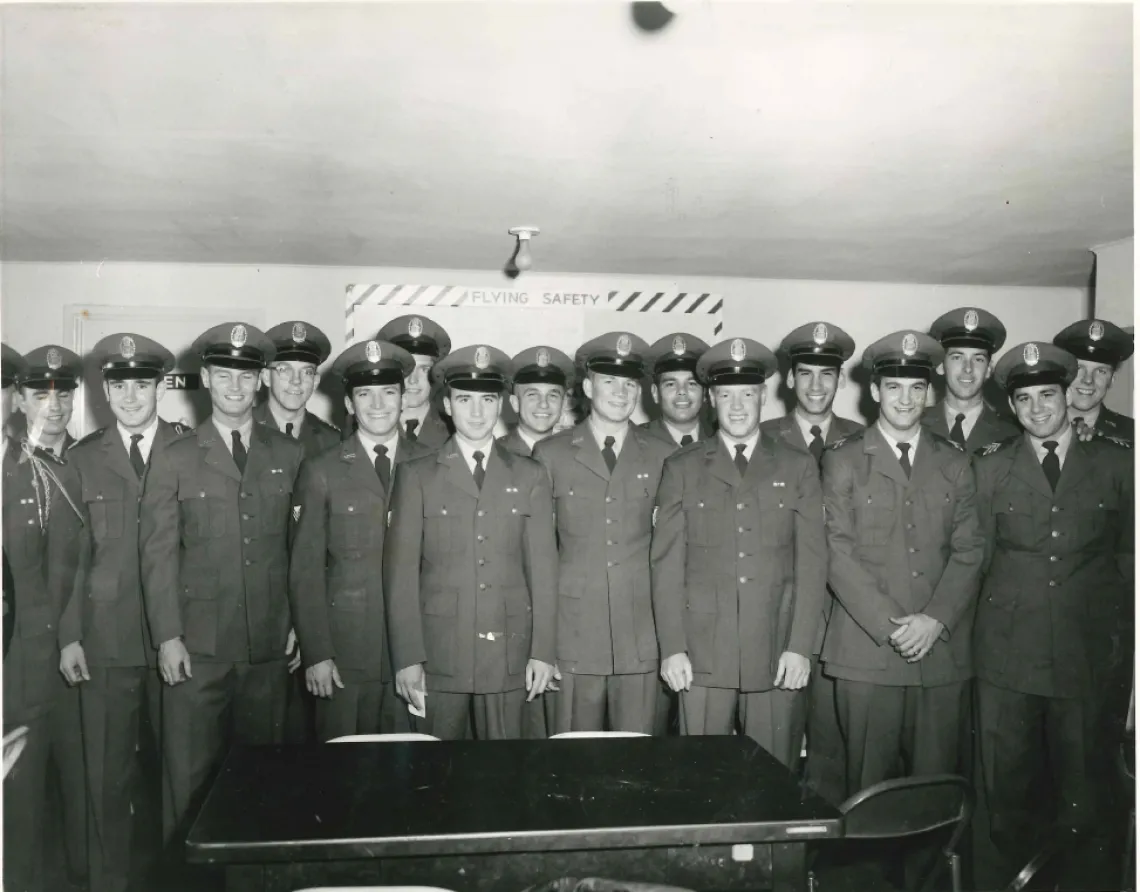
[498, 476]
[760, 465]
[791, 434]
[586, 451]
[719, 464]
[934, 418]
[217, 455]
[1028, 469]
[840, 428]
[260, 457]
[458, 474]
[360, 465]
[927, 458]
[1077, 466]
[883, 458]
[117, 458]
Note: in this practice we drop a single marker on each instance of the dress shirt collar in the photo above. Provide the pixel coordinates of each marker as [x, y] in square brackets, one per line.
[145, 444]
[749, 444]
[1064, 438]
[894, 444]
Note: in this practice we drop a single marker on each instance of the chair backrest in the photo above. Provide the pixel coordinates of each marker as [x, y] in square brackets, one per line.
[570, 735]
[909, 806]
[382, 738]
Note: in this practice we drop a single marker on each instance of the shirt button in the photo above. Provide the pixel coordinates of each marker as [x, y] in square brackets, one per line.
[244, 495]
[245, 517]
[1055, 534]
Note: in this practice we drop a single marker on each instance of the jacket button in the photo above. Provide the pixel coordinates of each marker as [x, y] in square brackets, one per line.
[907, 502]
[739, 506]
[608, 520]
[609, 563]
[610, 542]
[1052, 583]
[914, 573]
[1054, 509]
[248, 562]
[245, 517]
[482, 586]
[480, 538]
[910, 526]
[246, 540]
[481, 513]
[743, 579]
[740, 529]
[912, 550]
[481, 562]
[1054, 534]
[1054, 558]
[741, 554]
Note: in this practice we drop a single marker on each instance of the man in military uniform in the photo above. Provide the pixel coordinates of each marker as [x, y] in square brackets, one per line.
[905, 555]
[814, 355]
[470, 566]
[290, 381]
[1099, 347]
[970, 336]
[107, 648]
[43, 545]
[541, 377]
[739, 565]
[336, 569]
[47, 408]
[605, 473]
[428, 343]
[213, 527]
[1053, 635]
[676, 389]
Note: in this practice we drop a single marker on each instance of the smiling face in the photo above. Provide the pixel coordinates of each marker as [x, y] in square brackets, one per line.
[134, 401]
[1040, 409]
[539, 406]
[290, 383]
[738, 408]
[1090, 387]
[815, 386]
[473, 412]
[47, 410]
[966, 370]
[376, 407]
[901, 401]
[678, 393]
[231, 390]
[417, 386]
[612, 397]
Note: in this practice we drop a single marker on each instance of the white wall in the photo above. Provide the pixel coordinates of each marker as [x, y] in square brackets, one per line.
[34, 298]
[1115, 301]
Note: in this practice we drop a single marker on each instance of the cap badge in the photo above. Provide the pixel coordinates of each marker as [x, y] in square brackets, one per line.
[542, 357]
[820, 334]
[909, 344]
[238, 335]
[482, 357]
[624, 345]
[299, 332]
[679, 345]
[971, 320]
[1031, 354]
[737, 350]
[127, 347]
[54, 359]
[1096, 330]
[372, 351]
[415, 326]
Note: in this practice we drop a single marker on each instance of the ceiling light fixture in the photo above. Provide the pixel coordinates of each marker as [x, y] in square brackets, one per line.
[524, 234]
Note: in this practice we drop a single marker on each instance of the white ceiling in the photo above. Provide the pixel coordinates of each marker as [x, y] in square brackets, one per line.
[936, 143]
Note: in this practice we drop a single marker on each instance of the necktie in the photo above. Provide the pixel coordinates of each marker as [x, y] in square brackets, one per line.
[741, 460]
[956, 432]
[383, 466]
[1051, 464]
[904, 459]
[479, 473]
[239, 451]
[136, 456]
[410, 428]
[609, 455]
[816, 444]
[686, 439]
[288, 428]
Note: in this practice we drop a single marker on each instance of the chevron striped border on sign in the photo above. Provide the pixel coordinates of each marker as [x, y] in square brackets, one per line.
[679, 302]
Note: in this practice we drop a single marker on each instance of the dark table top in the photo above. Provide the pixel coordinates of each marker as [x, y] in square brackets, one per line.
[354, 800]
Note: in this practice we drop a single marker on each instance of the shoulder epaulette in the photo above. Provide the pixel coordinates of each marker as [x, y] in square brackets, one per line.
[90, 438]
[850, 438]
[180, 428]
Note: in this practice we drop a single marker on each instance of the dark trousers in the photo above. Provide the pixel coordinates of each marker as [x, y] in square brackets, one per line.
[300, 710]
[65, 728]
[363, 706]
[774, 719]
[607, 703]
[826, 759]
[538, 717]
[115, 703]
[25, 795]
[223, 704]
[491, 716]
[896, 731]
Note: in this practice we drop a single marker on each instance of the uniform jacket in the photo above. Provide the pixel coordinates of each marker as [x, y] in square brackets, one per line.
[1056, 605]
[335, 573]
[513, 442]
[989, 428]
[605, 611]
[657, 427]
[214, 545]
[898, 546]
[739, 564]
[1114, 424]
[45, 566]
[433, 431]
[107, 614]
[788, 431]
[470, 574]
[316, 435]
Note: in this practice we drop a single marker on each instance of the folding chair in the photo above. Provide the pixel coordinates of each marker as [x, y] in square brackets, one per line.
[382, 738]
[911, 806]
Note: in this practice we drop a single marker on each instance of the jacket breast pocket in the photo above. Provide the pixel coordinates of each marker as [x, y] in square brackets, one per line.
[777, 519]
[873, 523]
[576, 510]
[1015, 523]
[441, 618]
[276, 494]
[203, 507]
[1096, 514]
[349, 524]
[107, 510]
[700, 519]
[441, 530]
